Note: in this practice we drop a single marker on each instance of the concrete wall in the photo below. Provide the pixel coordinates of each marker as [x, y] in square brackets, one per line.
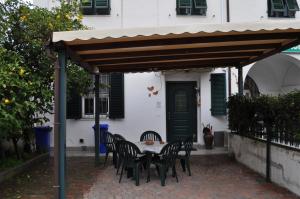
[285, 164]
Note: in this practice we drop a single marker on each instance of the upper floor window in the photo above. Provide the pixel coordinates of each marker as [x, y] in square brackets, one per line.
[191, 7]
[282, 8]
[95, 7]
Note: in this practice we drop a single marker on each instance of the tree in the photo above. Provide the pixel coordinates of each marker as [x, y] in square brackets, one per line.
[27, 63]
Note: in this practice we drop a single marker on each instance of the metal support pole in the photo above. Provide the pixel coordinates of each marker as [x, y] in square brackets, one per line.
[268, 155]
[240, 81]
[60, 125]
[228, 69]
[97, 120]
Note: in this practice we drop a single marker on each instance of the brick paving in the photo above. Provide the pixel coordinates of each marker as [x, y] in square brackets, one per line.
[213, 177]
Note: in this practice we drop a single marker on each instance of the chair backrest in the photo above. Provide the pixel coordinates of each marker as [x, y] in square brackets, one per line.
[110, 142]
[121, 148]
[119, 137]
[129, 149]
[150, 135]
[169, 152]
[188, 145]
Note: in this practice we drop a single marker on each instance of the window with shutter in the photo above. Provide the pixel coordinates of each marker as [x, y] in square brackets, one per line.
[218, 94]
[89, 101]
[116, 96]
[95, 7]
[111, 97]
[282, 8]
[191, 7]
[292, 5]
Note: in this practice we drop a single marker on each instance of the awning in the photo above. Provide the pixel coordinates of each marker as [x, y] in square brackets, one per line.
[180, 47]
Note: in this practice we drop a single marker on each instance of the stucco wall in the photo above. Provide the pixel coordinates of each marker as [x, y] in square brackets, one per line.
[148, 113]
[285, 164]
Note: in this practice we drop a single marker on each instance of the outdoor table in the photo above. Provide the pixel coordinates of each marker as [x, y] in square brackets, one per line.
[149, 150]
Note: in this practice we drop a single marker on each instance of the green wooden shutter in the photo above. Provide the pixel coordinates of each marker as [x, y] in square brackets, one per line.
[292, 5]
[102, 3]
[74, 105]
[116, 96]
[277, 5]
[184, 3]
[200, 4]
[218, 94]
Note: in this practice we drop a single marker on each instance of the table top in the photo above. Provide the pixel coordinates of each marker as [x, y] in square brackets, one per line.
[154, 148]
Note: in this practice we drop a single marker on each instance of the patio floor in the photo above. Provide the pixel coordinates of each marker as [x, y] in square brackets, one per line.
[212, 177]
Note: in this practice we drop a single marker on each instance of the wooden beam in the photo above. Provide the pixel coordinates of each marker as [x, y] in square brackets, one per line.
[154, 66]
[185, 40]
[174, 57]
[77, 59]
[181, 46]
[283, 47]
[182, 51]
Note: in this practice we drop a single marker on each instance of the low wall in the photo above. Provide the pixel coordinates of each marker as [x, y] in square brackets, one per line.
[285, 163]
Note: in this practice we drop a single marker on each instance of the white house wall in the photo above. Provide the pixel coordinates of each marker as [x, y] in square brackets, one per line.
[141, 111]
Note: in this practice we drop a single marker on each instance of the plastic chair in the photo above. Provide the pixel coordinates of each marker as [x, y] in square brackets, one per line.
[119, 157]
[110, 147]
[132, 159]
[150, 135]
[167, 160]
[119, 137]
[185, 158]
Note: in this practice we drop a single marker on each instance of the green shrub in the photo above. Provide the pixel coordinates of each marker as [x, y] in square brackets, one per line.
[281, 113]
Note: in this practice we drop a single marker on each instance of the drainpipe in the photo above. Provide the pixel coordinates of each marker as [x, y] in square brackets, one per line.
[229, 69]
[240, 81]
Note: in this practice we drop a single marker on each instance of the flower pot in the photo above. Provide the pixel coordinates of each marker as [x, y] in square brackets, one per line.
[208, 140]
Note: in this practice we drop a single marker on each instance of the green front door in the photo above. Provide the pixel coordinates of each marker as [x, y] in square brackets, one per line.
[181, 110]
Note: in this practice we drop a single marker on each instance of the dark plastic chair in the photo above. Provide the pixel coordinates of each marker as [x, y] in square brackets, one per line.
[167, 160]
[119, 157]
[150, 135]
[119, 137]
[132, 159]
[185, 158]
[110, 147]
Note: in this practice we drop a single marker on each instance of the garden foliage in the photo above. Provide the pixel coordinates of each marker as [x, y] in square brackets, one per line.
[27, 64]
[280, 113]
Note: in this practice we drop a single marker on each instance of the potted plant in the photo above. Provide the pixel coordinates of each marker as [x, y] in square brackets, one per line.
[208, 136]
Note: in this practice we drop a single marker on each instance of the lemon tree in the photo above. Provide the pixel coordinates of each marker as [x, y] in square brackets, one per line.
[27, 63]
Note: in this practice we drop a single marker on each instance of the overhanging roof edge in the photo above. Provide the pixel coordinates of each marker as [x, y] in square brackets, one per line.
[175, 30]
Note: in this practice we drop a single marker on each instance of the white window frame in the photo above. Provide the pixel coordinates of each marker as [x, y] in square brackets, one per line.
[92, 95]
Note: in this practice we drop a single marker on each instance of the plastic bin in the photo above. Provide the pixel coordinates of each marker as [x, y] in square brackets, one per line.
[103, 134]
[42, 138]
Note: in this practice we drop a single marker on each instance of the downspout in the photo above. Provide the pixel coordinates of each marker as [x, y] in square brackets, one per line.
[229, 69]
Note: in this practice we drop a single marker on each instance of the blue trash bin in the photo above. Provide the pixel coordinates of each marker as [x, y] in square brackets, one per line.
[42, 138]
[103, 134]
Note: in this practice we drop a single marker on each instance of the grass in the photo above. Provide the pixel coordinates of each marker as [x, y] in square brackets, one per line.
[9, 163]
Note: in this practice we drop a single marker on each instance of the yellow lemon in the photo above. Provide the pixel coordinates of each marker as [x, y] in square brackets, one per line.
[21, 72]
[7, 101]
[80, 17]
[67, 16]
[23, 18]
[50, 26]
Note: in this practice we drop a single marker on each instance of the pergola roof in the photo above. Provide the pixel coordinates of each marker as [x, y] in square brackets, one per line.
[180, 47]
